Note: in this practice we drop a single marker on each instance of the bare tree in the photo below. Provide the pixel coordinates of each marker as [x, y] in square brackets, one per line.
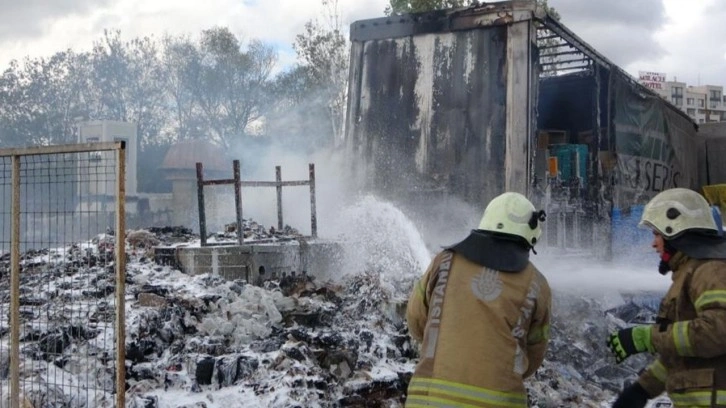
[323, 50]
[127, 84]
[180, 62]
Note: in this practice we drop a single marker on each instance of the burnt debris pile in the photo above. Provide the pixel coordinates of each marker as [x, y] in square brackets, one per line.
[202, 341]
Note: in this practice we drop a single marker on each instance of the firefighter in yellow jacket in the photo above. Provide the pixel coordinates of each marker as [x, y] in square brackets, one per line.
[482, 312]
[689, 335]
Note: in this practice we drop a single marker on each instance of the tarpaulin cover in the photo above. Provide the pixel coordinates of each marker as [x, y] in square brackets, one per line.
[655, 145]
[656, 149]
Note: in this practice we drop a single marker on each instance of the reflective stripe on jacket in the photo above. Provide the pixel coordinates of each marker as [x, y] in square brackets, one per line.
[691, 347]
[482, 332]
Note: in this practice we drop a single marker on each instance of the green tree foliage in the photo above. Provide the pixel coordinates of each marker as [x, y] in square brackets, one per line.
[228, 83]
[550, 10]
[174, 88]
[418, 6]
[127, 84]
[41, 100]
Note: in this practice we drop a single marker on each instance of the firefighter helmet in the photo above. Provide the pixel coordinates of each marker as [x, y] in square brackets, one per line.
[677, 210]
[513, 214]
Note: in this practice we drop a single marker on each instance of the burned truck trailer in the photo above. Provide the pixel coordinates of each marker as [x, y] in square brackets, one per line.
[472, 102]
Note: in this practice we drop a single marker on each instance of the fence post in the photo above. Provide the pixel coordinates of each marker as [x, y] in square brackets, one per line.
[278, 179]
[120, 248]
[200, 200]
[313, 214]
[15, 287]
[238, 200]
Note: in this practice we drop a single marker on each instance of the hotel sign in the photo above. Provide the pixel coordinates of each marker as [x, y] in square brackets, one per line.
[652, 80]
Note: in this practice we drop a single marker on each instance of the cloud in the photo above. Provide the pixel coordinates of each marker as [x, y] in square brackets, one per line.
[680, 38]
[29, 18]
[33, 28]
[694, 38]
[621, 32]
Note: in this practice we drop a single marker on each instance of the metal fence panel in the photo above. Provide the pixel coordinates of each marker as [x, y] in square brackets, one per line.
[61, 276]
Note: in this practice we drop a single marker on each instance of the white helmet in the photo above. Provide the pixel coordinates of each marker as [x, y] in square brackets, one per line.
[513, 214]
[674, 211]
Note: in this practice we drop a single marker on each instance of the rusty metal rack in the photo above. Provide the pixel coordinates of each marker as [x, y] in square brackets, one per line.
[238, 184]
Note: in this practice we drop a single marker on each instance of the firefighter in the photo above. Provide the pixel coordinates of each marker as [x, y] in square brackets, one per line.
[482, 312]
[689, 335]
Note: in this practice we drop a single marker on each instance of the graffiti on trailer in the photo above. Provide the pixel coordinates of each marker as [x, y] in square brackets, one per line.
[647, 161]
[649, 175]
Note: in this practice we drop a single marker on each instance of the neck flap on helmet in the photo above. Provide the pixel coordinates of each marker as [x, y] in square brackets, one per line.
[494, 251]
[700, 246]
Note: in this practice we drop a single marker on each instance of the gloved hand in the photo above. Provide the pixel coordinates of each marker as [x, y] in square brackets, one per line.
[633, 396]
[627, 342]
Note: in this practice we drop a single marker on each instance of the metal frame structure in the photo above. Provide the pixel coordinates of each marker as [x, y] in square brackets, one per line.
[238, 184]
[568, 53]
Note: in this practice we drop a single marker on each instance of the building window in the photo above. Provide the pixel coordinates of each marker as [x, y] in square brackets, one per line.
[701, 103]
[677, 91]
[689, 101]
[715, 95]
[677, 100]
[714, 104]
[691, 112]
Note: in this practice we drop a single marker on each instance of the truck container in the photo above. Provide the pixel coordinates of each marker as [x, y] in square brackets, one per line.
[468, 103]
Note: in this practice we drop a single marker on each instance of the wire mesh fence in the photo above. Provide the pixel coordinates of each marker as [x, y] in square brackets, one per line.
[61, 276]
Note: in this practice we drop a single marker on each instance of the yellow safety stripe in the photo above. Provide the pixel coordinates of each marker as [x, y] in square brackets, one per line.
[658, 370]
[681, 339]
[539, 334]
[697, 398]
[443, 389]
[425, 401]
[421, 292]
[710, 296]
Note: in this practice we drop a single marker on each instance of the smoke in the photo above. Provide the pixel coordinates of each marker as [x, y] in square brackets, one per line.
[332, 188]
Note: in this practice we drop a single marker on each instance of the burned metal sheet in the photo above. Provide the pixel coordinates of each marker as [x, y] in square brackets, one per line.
[429, 112]
[715, 166]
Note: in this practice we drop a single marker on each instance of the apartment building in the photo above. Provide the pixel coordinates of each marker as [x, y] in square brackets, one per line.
[703, 103]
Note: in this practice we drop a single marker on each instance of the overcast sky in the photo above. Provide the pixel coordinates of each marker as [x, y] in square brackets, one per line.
[682, 38]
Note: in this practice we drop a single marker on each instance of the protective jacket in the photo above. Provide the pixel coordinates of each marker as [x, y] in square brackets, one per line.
[482, 330]
[690, 336]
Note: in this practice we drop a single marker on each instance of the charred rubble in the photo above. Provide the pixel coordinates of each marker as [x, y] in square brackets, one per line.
[325, 344]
